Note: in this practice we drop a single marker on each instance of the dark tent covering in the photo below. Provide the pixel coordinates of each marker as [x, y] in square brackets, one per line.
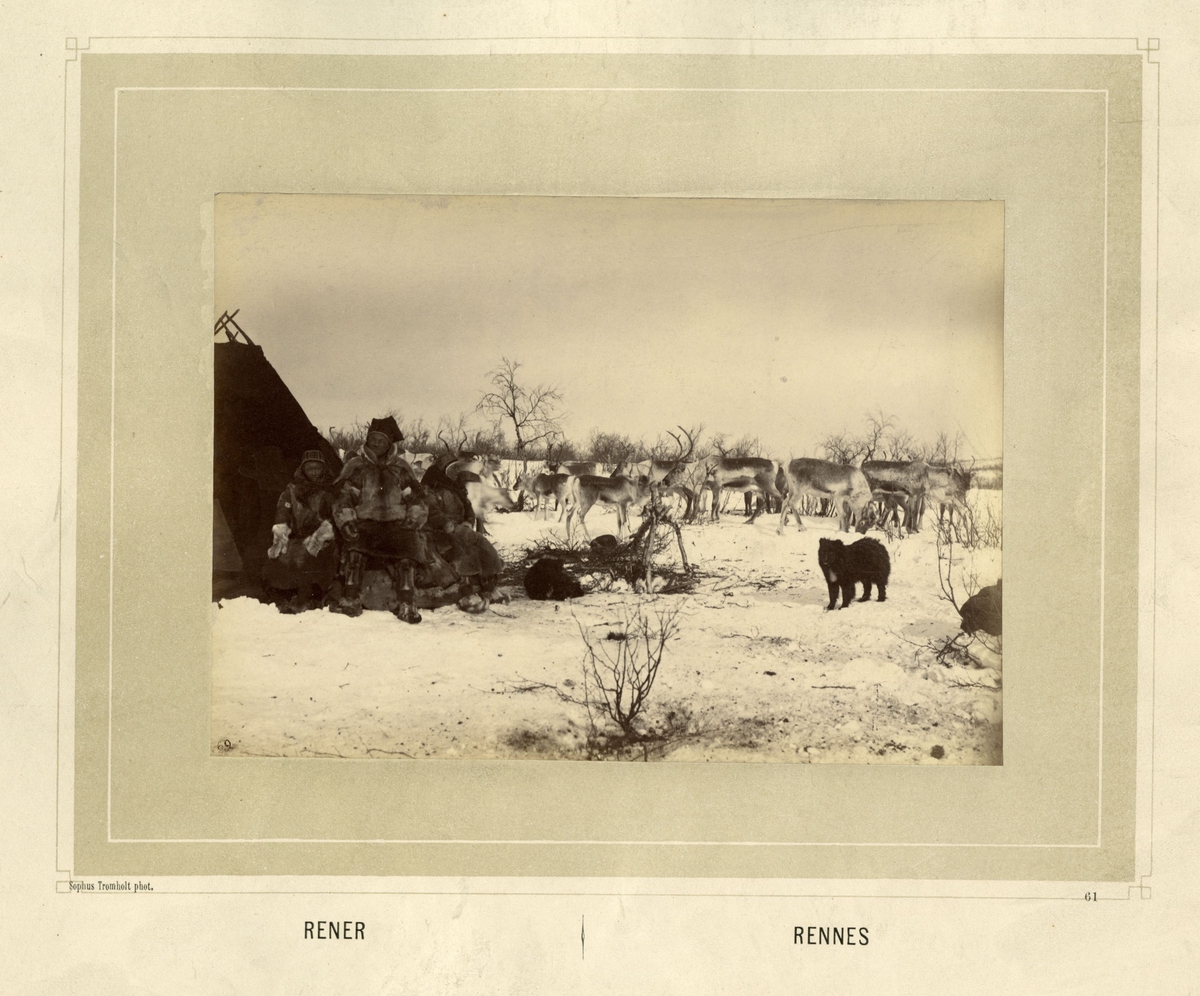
[260, 435]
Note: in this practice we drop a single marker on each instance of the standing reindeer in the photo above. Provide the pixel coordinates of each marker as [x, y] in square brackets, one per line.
[588, 490]
[543, 487]
[899, 481]
[578, 468]
[483, 498]
[846, 486]
[948, 487]
[743, 474]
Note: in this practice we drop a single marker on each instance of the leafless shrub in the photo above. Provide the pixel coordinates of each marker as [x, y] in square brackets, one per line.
[461, 434]
[950, 651]
[347, 438]
[950, 562]
[971, 527]
[417, 435]
[841, 447]
[558, 449]
[621, 664]
[885, 518]
[611, 448]
[958, 580]
[883, 438]
[988, 478]
[944, 450]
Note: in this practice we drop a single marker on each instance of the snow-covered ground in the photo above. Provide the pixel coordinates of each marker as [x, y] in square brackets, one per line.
[759, 672]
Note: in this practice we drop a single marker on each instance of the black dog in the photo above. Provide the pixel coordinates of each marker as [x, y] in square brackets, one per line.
[983, 611]
[844, 566]
[547, 579]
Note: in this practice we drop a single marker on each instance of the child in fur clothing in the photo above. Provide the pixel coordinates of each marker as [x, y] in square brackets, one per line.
[303, 555]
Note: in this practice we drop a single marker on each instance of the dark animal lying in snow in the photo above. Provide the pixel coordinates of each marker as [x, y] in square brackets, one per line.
[547, 579]
[844, 566]
[982, 611]
[603, 547]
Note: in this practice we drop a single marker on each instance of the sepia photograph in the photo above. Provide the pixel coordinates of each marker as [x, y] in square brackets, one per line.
[559, 386]
[608, 478]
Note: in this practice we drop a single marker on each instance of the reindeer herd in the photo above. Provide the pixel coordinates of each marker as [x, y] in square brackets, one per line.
[878, 492]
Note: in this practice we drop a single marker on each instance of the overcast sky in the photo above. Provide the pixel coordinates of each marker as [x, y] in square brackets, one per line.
[782, 319]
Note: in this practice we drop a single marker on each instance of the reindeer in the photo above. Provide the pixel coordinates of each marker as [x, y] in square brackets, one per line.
[577, 468]
[435, 473]
[687, 480]
[480, 466]
[683, 478]
[475, 476]
[420, 462]
[742, 474]
[484, 498]
[633, 469]
[765, 503]
[846, 486]
[455, 462]
[678, 491]
[656, 471]
[455, 470]
[588, 490]
[543, 486]
[906, 482]
[948, 486]
[885, 508]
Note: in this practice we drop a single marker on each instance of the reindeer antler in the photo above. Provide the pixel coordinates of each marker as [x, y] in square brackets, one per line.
[684, 455]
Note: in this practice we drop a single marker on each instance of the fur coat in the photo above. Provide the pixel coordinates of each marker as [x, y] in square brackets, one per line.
[383, 489]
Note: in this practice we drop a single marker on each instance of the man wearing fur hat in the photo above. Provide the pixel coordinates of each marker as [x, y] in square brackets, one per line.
[380, 512]
[303, 555]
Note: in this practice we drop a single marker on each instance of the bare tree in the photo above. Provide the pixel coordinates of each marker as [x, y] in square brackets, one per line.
[349, 438]
[559, 449]
[611, 447]
[879, 427]
[944, 451]
[533, 412]
[417, 435]
[882, 439]
[900, 445]
[841, 448]
[745, 446]
[452, 433]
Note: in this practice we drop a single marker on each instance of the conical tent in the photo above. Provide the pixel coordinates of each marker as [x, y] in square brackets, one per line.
[260, 435]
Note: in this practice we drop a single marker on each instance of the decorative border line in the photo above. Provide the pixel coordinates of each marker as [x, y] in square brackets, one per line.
[630, 843]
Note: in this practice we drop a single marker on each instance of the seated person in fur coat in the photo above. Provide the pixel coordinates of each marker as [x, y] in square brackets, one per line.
[379, 508]
[303, 556]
